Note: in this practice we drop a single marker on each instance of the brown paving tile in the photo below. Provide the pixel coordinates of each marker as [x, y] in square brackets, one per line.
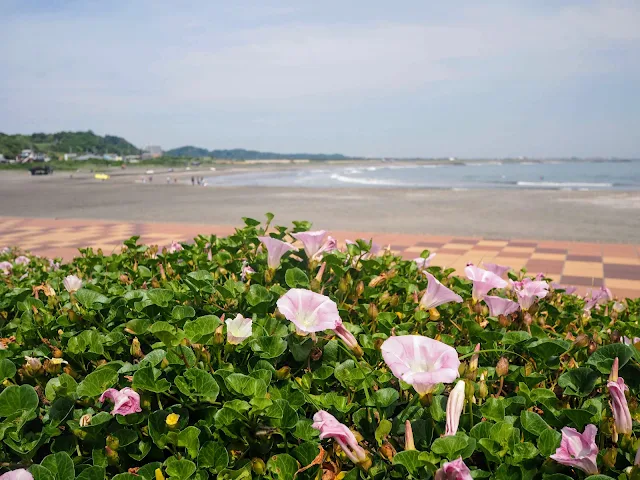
[632, 293]
[620, 250]
[452, 251]
[581, 281]
[465, 240]
[584, 258]
[518, 255]
[548, 267]
[628, 272]
[622, 283]
[583, 269]
[486, 248]
[621, 260]
[584, 249]
[430, 244]
[444, 260]
[548, 256]
[522, 243]
[562, 251]
[515, 263]
[493, 243]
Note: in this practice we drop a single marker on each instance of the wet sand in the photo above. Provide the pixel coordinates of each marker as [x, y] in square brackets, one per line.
[594, 216]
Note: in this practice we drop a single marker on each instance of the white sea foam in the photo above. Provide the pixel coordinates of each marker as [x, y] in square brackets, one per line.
[366, 181]
[564, 185]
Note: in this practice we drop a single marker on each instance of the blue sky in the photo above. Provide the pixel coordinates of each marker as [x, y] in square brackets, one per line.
[374, 78]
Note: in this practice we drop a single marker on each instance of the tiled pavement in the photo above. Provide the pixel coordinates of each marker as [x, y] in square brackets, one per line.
[584, 265]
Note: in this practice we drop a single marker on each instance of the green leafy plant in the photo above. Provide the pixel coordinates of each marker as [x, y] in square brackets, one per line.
[156, 323]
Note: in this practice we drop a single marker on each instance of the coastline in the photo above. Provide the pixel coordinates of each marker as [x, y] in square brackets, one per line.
[592, 216]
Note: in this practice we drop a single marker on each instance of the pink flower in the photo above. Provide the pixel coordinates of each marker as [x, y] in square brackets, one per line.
[20, 474]
[455, 470]
[174, 247]
[500, 306]
[567, 289]
[437, 294]
[455, 405]
[637, 459]
[578, 450]
[275, 250]
[598, 297]
[629, 341]
[53, 265]
[483, 281]
[238, 329]
[312, 241]
[619, 406]
[309, 311]
[499, 270]
[126, 401]
[72, 283]
[6, 267]
[421, 361]
[423, 263]
[246, 271]
[21, 260]
[528, 291]
[330, 427]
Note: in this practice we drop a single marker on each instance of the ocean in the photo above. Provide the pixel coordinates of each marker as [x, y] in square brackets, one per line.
[554, 175]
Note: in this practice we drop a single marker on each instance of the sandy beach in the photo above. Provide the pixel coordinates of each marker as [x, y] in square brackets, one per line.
[592, 216]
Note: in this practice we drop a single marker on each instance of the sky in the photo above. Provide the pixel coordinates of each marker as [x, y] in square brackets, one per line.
[541, 78]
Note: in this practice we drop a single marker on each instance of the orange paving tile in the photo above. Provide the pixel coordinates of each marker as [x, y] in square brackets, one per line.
[585, 265]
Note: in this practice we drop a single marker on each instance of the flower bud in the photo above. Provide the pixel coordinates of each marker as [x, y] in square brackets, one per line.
[434, 314]
[258, 466]
[504, 321]
[136, 350]
[85, 420]
[316, 354]
[343, 286]
[477, 308]
[164, 363]
[283, 373]
[615, 336]
[54, 366]
[112, 442]
[581, 340]
[269, 274]
[609, 458]
[592, 347]
[359, 288]
[502, 368]
[172, 420]
[384, 298]
[159, 475]
[483, 391]
[528, 319]
[218, 336]
[395, 299]
[387, 451]
[473, 363]
[408, 436]
[372, 311]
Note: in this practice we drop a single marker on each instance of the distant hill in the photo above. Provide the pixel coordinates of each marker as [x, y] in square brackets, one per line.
[65, 142]
[241, 154]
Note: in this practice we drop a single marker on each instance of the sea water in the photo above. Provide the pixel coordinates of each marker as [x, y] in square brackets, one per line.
[555, 175]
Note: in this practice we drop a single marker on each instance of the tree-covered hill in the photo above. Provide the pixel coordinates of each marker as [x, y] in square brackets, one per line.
[242, 154]
[65, 142]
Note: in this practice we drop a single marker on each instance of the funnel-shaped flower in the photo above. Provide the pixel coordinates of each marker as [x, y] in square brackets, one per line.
[72, 283]
[456, 470]
[500, 306]
[421, 361]
[437, 294]
[20, 474]
[423, 263]
[499, 270]
[275, 250]
[22, 260]
[309, 311]
[598, 297]
[630, 341]
[246, 271]
[578, 450]
[455, 404]
[312, 241]
[175, 247]
[528, 291]
[330, 427]
[6, 267]
[238, 329]
[483, 281]
[619, 405]
[126, 401]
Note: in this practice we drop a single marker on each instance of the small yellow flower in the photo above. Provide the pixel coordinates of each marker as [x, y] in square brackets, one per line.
[172, 419]
[159, 475]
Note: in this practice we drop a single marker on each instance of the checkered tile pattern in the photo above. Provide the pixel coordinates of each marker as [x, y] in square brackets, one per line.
[584, 265]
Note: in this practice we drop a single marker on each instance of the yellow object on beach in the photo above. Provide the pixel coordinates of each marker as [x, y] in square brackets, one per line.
[102, 176]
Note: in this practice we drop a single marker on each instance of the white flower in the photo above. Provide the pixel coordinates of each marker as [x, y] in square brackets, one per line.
[72, 283]
[238, 329]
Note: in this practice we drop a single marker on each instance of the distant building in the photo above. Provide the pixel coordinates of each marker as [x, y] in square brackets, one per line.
[70, 156]
[152, 151]
[88, 156]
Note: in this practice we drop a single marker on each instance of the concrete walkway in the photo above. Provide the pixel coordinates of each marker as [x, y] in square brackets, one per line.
[584, 265]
